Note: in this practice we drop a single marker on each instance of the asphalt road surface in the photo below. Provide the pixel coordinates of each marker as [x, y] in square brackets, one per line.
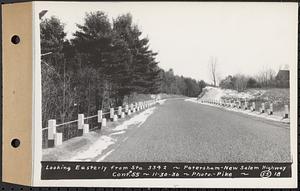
[182, 131]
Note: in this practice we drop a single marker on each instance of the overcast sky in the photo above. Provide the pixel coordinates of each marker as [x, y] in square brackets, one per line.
[244, 37]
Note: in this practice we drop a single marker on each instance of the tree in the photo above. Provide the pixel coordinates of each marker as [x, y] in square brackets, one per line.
[240, 82]
[227, 83]
[173, 84]
[252, 83]
[57, 95]
[52, 35]
[143, 69]
[93, 43]
[266, 77]
[213, 70]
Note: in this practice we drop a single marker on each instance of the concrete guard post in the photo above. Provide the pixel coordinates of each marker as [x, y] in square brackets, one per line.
[86, 128]
[99, 113]
[58, 137]
[80, 121]
[270, 112]
[115, 118]
[111, 113]
[122, 115]
[131, 107]
[262, 109]
[253, 106]
[286, 111]
[80, 124]
[51, 132]
[246, 105]
[134, 108]
[119, 111]
[146, 104]
[126, 108]
[103, 122]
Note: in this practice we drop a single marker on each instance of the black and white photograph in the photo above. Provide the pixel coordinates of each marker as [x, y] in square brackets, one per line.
[191, 83]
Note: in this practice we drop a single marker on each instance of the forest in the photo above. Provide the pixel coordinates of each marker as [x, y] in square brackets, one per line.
[105, 64]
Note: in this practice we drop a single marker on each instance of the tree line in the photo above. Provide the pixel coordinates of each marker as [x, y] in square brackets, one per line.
[265, 79]
[104, 64]
[174, 84]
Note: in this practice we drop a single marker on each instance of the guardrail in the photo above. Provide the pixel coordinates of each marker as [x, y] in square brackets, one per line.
[55, 138]
[244, 104]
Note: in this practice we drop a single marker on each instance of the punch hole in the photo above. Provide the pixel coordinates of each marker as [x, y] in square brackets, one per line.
[15, 143]
[15, 39]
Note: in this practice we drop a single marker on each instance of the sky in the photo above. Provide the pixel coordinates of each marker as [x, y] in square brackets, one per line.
[245, 38]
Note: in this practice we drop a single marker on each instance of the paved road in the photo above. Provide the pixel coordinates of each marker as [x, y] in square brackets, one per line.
[182, 131]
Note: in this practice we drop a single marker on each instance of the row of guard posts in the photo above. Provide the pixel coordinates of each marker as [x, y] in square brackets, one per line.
[55, 138]
[232, 103]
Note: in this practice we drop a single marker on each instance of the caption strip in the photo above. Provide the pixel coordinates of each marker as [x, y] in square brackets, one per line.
[96, 170]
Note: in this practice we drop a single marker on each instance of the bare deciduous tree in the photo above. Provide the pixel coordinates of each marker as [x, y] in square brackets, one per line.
[213, 69]
[266, 77]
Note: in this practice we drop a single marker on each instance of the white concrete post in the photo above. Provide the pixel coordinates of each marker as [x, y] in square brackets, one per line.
[271, 109]
[126, 108]
[129, 112]
[115, 118]
[122, 115]
[286, 111]
[58, 139]
[111, 113]
[51, 129]
[253, 106]
[80, 121]
[136, 107]
[99, 116]
[131, 107]
[262, 107]
[239, 104]
[103, 122]
[119, 110]
[246, 105]
[86, 128]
